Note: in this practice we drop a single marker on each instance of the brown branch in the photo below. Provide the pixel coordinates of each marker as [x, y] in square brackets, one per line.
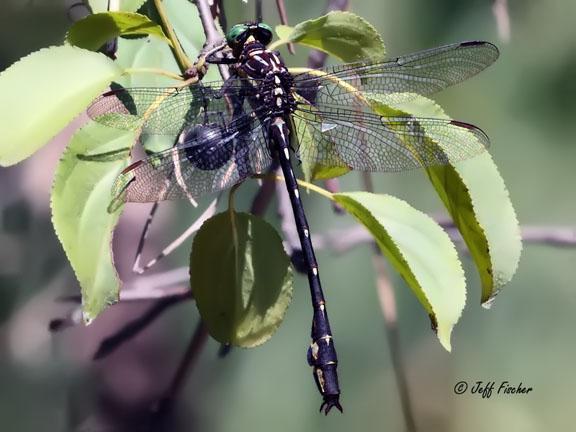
[284, 20]
[200, 336]
[550, 235]
[388, 307]
[258, 10]
[263, 197]
[213, 37]
[193, 351]
[134, 327]
[500, 11]
[194, 227]
[342, 240]
[208, 24]
[221, 14]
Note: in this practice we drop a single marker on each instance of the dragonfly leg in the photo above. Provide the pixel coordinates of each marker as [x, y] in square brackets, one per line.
[322, 353]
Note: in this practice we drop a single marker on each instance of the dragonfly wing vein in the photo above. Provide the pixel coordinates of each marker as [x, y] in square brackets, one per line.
[196, 167]
[368, 142]
[423, 73]
[165, 110]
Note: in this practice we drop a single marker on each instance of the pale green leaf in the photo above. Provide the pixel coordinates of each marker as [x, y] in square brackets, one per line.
[241, 278]
[419, 249]
[476, 197]
[95, 30]
[43, 92]
[142, 53]
[80, 196]
[284, 32]
[343, 35]
[125, 5]
[309, 143]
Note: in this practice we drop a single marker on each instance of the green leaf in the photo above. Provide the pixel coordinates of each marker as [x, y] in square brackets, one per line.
[145, 53]
[284, 32]
[241, 278]
[308, 142]
[95, 30]
[476, 197]
[43, 92]
[80, 196]
[419, 249]
[125, 5]
[341, 34]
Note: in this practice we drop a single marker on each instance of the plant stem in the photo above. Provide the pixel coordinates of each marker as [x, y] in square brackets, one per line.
[303, 183]
[284, 20]
[156, 71]
[184, 62]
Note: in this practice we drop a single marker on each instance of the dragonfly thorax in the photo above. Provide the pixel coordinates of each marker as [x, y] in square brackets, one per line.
[270, 75]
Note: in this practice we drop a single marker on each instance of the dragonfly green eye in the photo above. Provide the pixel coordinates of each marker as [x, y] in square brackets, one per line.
[235, 34]
[264, 33]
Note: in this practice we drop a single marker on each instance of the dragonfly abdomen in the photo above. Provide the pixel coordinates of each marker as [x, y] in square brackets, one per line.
[322, 353]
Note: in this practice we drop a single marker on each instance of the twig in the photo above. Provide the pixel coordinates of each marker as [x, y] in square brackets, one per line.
[136, 266]
[210, 31]
[550, 235]
[287, 223]
[207, 214]
[184, 62]
[341, 5]
[170, 284]
[133, 328]
[500, 11]
[333, 185]
[342, 240]
[258, 10]
[190, 357]
[264, 195]
[156, 286]
[388, 307]
[221, 15]
[200, 336]
[284, 20]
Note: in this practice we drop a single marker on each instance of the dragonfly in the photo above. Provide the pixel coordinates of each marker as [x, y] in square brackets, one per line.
[226, 132]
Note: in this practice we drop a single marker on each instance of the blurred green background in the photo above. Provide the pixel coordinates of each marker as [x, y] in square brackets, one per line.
[526, 105]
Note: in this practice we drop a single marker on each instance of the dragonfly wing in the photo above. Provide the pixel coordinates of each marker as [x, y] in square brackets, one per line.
[197, 167]
[166, 110]
[341, 138]
[422, 73]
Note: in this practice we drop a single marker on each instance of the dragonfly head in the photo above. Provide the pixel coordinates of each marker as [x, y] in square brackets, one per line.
[241, 33]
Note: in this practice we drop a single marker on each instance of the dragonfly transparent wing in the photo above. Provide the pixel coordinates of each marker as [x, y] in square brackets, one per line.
[166, 110]
[423, 73]
[197, 167]
[342, 138]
